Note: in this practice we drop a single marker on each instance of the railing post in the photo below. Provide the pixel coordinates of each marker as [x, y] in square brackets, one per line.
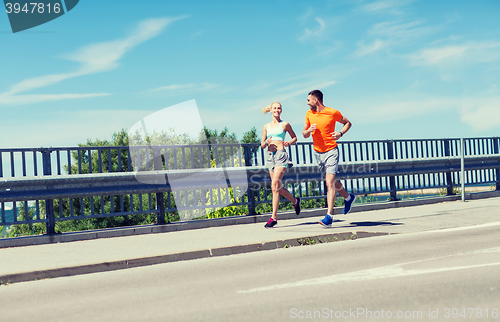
[496, 143]
[325, 193]
[251, 201]
[158, 165]
[49, 203]
[449, 179]
[462, 168]
[392, 179]
[247, 151]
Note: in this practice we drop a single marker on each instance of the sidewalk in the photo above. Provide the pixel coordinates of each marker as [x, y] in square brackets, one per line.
[89, 256]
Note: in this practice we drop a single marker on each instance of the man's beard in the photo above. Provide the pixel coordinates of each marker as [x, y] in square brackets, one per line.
[314, 108]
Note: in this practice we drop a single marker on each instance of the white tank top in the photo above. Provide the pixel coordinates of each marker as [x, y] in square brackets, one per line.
[277, 133]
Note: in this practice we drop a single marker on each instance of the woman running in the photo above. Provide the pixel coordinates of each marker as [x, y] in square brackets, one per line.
[273, 137]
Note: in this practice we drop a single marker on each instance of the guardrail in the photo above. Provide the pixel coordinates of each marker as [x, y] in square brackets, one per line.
[193, 186]
[98, 159]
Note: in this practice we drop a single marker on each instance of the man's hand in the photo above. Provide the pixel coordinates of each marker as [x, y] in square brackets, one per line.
[312, 128]
[336, 135]
[306, 132]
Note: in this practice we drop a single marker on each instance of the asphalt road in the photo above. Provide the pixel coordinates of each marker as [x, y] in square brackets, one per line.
[440, 275]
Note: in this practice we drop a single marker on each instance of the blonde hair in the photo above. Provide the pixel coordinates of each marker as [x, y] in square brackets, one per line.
[267, 109]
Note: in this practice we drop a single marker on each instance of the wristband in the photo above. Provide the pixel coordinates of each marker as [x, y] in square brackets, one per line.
[341, 134]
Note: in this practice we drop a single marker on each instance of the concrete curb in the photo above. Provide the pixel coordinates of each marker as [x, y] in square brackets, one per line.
[227, 221]
[190, 255]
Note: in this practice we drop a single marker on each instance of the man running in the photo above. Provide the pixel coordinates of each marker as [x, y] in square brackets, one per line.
[320, 121]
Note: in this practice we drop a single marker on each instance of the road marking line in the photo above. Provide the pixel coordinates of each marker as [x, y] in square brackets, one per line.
[366, 275]
[461, 228]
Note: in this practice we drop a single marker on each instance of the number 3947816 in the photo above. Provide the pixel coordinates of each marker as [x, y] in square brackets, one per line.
[33, 7]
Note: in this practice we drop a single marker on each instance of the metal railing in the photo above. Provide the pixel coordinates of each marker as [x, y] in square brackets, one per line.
[98, 159]
[93, 182]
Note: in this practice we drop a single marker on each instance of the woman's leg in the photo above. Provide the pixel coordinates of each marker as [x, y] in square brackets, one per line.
[276, 196]
[277, 188]
[285, 193]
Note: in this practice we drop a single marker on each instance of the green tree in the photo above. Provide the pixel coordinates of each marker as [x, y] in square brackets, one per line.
[180, 147]
[221, 154]
[251, 136]
[175, 156]
[26, 229]
[86, 160]
[107, 160]
[208, 136]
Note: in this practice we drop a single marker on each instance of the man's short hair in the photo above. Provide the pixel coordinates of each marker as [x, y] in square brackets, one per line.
[317, 93]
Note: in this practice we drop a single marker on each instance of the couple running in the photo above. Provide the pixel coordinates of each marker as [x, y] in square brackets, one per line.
[320, 122]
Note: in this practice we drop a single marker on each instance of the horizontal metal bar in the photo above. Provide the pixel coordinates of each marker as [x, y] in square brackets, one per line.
[36, 221]
[93, 148]
[113, 214]
[87, 185]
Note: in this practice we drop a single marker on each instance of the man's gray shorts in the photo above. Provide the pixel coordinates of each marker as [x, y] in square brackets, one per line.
[278, 159]
[328, 161]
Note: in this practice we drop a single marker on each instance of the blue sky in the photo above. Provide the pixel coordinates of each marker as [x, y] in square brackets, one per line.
[396, 69]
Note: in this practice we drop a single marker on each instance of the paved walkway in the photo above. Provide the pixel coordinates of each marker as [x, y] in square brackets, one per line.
[88, 256]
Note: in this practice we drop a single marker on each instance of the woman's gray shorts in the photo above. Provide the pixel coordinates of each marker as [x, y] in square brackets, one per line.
[328, 161]
[278, 159]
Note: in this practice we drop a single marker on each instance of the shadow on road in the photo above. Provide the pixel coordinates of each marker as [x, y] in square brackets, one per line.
[374, 223]
[352, 224]
[312, 223]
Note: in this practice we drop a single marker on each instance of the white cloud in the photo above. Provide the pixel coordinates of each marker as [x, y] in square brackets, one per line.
[196, 34]
[400, 31]
[368, 49]
[104, 56]
[182, 89]
[437, 56]
[316, 32]
[390, 34]
[386, 110]
[481, 113]
[451, 55]
[30, 99]
[387, 6]
[182, 118]
[291, 92]
[94, 58]
[77, 126]
[306, 16]
[294, 90]
[289, 88]
[328, 49]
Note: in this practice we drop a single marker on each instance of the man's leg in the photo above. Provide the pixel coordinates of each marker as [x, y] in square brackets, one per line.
[330, 197]
[340, 188]
[348, 198]
[328, 163]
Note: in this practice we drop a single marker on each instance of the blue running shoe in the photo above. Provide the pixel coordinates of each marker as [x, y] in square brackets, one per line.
[327, 221]
[348, 204]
